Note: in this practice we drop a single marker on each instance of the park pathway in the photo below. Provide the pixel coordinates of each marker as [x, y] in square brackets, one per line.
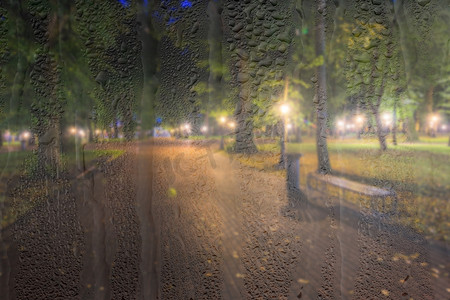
[178, 220]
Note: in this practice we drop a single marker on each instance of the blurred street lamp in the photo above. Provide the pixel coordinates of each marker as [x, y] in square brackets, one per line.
[81, 133]
[204, 129]
[24, 139]
[387, 118]
[73, 130]
[185, 129]
[434, 122]
[284, 108]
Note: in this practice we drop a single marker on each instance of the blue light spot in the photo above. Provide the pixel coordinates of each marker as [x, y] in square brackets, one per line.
[172, 20]
[186, 4]
[125, 3]
[159, 120]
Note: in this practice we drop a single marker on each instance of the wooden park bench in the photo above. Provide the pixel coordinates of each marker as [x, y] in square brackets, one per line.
[368, 196]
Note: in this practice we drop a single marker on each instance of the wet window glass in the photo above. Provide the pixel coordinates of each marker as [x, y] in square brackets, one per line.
[224, 149]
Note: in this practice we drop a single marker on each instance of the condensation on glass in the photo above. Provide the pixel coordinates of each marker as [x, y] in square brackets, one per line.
[224, 149]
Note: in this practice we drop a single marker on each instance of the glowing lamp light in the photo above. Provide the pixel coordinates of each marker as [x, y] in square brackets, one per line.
[231, 124]
[26, 135]
[204, 129]
[223, 120]
[289, 126]
[386, 118]
[444, 127]
[359, 119]
[187, 126]
[284, 108]
[73, 130]
[98, 131]
[340, 124]
[434, 118]
[81, 133]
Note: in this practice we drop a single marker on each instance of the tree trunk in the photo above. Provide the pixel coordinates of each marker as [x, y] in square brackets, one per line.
[47, 106]
[244, 136]
[324, 166]
[282, 162]
[215, 35]
[48, 152]
[380, 132]
[149, 54]
[244, 114]
[91, 131]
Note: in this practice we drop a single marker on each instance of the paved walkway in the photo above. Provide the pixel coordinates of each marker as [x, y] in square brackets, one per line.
[174, 220]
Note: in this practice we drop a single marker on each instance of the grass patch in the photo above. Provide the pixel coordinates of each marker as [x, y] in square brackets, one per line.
[11, 163]
[432, 140]
[419, 173]
[30, 191]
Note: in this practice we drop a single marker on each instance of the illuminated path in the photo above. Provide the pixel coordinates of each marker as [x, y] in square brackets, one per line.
[173, 220]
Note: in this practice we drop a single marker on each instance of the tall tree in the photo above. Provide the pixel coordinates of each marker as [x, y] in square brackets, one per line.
[150, 41]
[48, 102]
[3, 59]
[373, 59]
[320, 98]
[109, 31]
[216, 65]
